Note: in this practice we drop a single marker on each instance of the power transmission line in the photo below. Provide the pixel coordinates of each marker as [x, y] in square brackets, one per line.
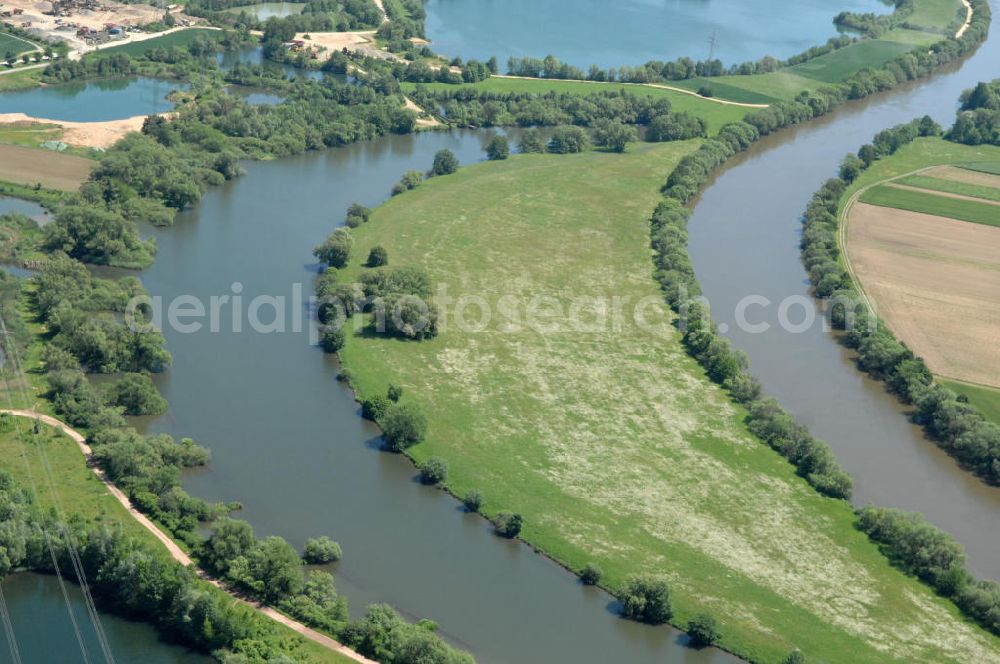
[76, 562]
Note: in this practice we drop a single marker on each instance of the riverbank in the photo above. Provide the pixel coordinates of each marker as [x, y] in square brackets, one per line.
[649, 483]
[339, 652]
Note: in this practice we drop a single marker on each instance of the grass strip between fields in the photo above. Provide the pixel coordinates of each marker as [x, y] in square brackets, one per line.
[933, 204]
[951, 187]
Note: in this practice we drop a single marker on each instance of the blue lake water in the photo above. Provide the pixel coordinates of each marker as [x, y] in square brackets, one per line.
[27, 208]
[631, 32]
[96, 101]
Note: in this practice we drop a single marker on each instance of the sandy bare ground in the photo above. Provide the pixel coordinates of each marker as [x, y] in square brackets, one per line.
[85, 134]
[968, 19]
[936, 283]
[54, 170]
[653, 85]
[964, 175]
[360, 41]
[427, 122]
[337, 41]
[381, 8]
[175, 551]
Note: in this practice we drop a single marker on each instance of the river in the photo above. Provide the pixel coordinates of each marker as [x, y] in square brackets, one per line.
[632, 32]
[288, 441]
[44, 633]
[744, 238]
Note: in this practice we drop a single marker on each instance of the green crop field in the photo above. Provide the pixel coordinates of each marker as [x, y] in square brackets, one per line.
[714, 113]
[986, 399]
[607, 436]
[16, 45]
[837, 66]
[952, 187]
[928, 203]
[179, 38]
[935, 13]
[992, 168]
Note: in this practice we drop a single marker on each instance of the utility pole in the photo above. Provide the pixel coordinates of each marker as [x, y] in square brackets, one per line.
[712, 43]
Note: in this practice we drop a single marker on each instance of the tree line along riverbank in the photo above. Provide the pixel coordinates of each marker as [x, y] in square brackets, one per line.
[187, 149]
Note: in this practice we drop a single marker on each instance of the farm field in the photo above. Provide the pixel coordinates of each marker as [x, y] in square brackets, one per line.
[714, 113]
[16, 45]
[608, 438]
[936, 283]
[179, 38]
[983, 167]
[53, 170]
[935, 280]
[963, 209]
[952, 186]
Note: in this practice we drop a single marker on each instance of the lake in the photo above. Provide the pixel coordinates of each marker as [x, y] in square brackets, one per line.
[94, 101]
[631, 32]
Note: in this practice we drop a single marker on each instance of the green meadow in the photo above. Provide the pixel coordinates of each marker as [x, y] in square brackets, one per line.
[713, 112]
[604, 434]
[986, 399]
[179, 38]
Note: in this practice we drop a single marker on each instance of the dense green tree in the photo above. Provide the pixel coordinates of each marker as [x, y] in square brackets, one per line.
[445, 163]
[333, 339]
[508, 524]
[321, 550]
[647, 599]
[230, 539]
[433, 471]
[498, 148]
[591, 574]
[851, 167]
[377, 257]
[676, 127]
[615, 135]
[531, 141]
[473, 501]
[794, 657]
[403, 426]
[567, 140]
[336, 249]
[137, 395]
[275, 569]
[703, 630]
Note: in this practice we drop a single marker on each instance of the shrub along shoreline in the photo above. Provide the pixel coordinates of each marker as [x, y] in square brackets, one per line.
[766, 418]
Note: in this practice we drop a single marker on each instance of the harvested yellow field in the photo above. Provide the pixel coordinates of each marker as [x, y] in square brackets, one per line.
[53, 170]
[936, 283]
[962, 175]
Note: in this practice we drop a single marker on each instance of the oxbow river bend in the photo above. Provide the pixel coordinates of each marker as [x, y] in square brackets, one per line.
[288, 441]
[744, 238]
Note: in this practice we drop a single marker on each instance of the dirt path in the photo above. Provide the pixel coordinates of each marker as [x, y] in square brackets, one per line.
[660, 86]
[175, 551]
[381, 8]
[968, 19]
